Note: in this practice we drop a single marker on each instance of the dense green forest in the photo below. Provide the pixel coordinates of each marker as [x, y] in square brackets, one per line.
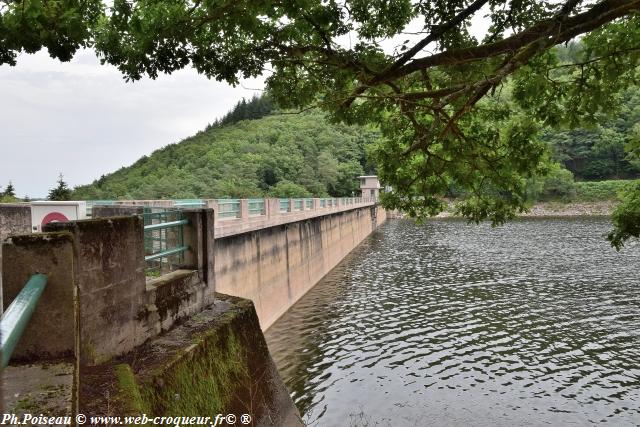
[280, 155]
[255, 150]
[256, 108]
[592, 163]
[598, 153]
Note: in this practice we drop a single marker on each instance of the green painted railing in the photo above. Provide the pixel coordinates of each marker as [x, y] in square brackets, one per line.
[92, 203]
[284, 205]
[16, 318]
[308, 204]
[189, 203]
[297, 204]
[162, 225]
[166, 253]
[228, 208]
[163, 239]
[256, 207]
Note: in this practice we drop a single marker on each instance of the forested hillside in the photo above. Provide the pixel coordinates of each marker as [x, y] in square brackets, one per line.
[280, 155]
[255, 150]
[598, 153]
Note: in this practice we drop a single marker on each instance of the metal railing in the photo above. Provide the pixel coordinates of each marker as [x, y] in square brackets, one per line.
[256, 207]
[163, 239]
[228, 208]
[188, 203]
[16, 318]
[92, 203]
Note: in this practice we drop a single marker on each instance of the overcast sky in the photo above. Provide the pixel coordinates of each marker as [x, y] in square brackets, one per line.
[83, 120]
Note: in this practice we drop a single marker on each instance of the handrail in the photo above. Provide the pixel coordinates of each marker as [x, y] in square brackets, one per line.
[16, 318]
[256, 206]
[164, 237]
[228, 208]
[164, 225]
[166, 253]
[189, 204]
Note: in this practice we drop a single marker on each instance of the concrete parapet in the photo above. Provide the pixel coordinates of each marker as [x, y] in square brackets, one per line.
[274, 217]
[101, 262]
[15, 218]
[51, 332]
[106, 211]
[243, 221]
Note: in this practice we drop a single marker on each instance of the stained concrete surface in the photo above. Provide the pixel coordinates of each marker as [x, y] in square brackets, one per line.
[35, 389]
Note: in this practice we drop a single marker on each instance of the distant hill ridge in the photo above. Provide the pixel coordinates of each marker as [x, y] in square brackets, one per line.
[253, 151]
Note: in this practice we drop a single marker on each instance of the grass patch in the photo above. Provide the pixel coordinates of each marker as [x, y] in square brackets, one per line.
[595, 191]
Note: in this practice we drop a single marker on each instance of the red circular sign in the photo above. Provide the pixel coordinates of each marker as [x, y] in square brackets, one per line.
[53, 217]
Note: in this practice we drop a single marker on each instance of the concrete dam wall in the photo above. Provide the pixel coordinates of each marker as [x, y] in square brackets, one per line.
[277, 265]
[100, 314]
[272, 258]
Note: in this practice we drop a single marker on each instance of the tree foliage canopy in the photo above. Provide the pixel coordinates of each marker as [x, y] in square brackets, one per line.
[410, 66]
[61, 191]
[9, 191]
[256, 108]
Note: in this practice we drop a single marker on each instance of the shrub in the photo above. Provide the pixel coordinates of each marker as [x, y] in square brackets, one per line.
[558, 184]
[288, 189]
[593, 191]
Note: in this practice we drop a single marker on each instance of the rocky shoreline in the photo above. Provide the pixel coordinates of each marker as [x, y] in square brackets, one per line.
[602, 208]
[551, 209]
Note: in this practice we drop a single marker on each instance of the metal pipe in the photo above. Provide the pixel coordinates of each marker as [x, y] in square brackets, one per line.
[16, 318]
[166, 253]
[163, 225]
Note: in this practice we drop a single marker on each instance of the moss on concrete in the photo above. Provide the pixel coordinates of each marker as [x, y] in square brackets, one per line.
[128, 394]
[201, 379]
[28, 240]
[216, 362]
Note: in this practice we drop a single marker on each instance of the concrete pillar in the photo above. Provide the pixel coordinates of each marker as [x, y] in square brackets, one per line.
[244, 209]
[199, 236]
[193, 258]
[109, 270]
[14, 219]
[273, 207]
[208, 227]
[213, 204]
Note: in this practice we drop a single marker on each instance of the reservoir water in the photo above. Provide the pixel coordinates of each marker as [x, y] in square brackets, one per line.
[448, 324]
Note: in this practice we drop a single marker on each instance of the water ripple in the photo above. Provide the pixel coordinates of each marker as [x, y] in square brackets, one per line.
[533, 323]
